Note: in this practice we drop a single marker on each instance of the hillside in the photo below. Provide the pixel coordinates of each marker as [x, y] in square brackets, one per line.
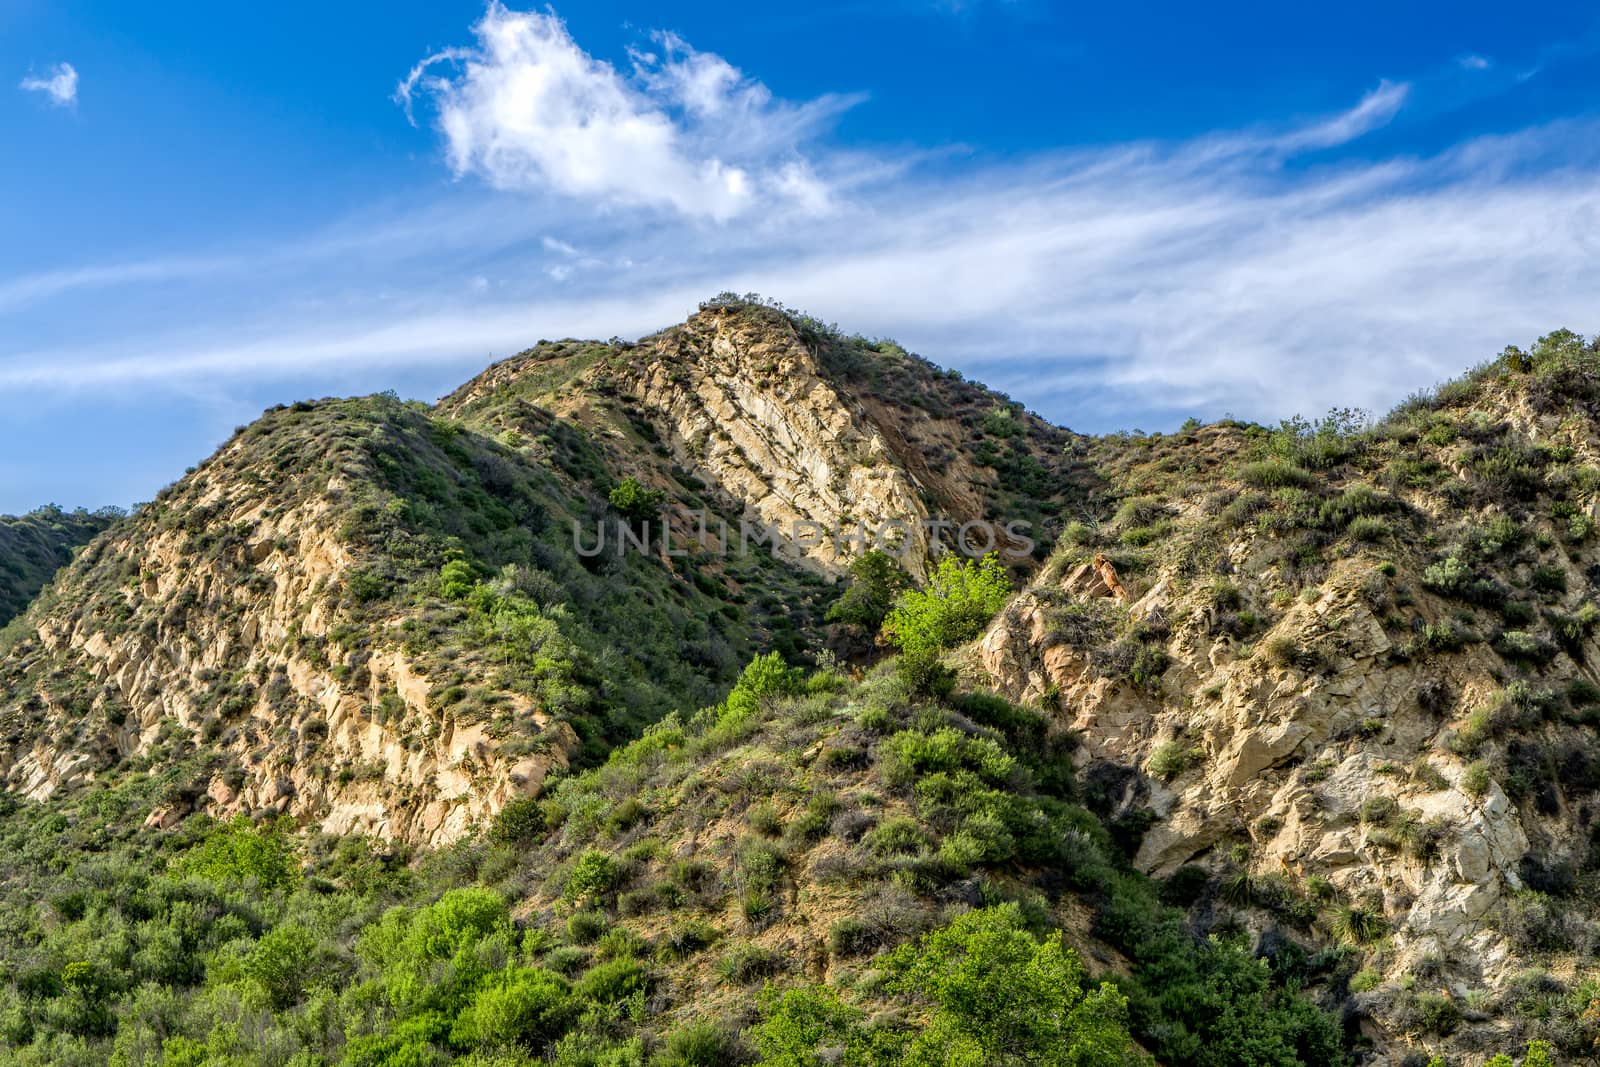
[36, 545]
[781, 419]
[382, 615]
[350, 748]
[1350, 689]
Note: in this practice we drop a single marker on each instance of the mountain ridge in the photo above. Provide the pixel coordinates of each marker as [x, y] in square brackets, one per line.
[1319, 696]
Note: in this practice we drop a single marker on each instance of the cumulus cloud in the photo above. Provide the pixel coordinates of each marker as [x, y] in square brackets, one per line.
[60, 85]
[527, 108]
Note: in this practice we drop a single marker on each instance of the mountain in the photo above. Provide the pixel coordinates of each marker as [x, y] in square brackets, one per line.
[1350, 687]
[285, 612]
[36, 545]
[571, 720]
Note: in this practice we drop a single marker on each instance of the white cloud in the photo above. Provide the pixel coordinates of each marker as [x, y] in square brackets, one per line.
[527, 108]
[1473, 61]
[1244, 271]
[60, 85]
[1376, 109]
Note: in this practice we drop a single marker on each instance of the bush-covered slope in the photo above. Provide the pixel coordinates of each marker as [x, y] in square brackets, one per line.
[369, 615]
[810, 865]
[1349, 688]
[36, 545]
[341, 751]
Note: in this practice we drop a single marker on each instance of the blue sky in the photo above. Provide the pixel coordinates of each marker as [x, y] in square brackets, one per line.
[1121, 214]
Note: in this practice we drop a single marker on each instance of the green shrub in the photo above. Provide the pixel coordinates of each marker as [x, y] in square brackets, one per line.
[593, 874]
[241, 853]
[757, 906]
[1368, 529]
[1133, 661]
[1379, 810]
[747, 963]
[1438, 1013]
[958, 600]
[457, 579]
[898, 836]
[1425, 774]
[876, 579]
[798, 1021]
[1365, 981]
[925, 674]
[280, 965]
[1281, 651]
[764, 682]
[1139, 511]
[1274, 474]
[1582, 693]
[875, 720]
[764, 819]
[1225, 596]
[1442, 636]
[1449, 577]
[524, 1006]
[1170, 759]
[586, 927]
[1078, 533]
[999, 994]
[687, 938]
[851, 936]
[912, 754]
[1358, 925]
[761, 864]
[1549, 579]
[1525, 647]
[613, 981]
[635, 502]
[518, 823]
[698, 1044]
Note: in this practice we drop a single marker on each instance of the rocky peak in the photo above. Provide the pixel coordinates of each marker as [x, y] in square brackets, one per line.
[797, 427]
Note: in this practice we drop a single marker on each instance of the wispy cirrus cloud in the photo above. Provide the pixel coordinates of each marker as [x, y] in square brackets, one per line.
[1251, 271]
[60, 86]
[1376, 109]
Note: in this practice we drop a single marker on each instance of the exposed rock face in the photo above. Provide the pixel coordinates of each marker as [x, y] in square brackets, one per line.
[1259, 727]
[300, 734]
[1356, 735]
[748, 406]
[776, 425]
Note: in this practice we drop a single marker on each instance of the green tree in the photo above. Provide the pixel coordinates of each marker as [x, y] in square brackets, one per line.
[520, 1007]
[996, 995]
[240, 852]
[876, 579]
[960, 597]
[635, 502]
[457, 579]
